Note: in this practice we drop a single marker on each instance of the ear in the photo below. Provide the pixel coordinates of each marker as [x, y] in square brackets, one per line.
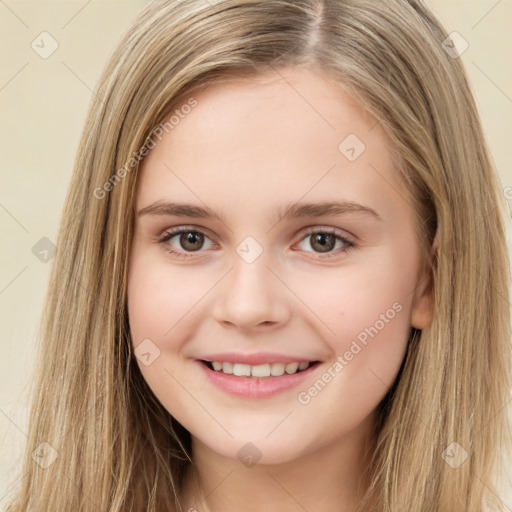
[423, 303]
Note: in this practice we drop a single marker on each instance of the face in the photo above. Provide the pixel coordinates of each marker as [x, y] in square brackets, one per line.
[309, 255]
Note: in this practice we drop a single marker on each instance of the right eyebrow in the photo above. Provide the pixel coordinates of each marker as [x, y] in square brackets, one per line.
[177, 209]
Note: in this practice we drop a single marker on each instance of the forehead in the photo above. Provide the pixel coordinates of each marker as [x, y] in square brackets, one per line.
[292, 134]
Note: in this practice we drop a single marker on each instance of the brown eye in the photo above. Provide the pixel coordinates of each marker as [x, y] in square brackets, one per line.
[191, 240]
[183, 242]
[326, 242]
[323, 242]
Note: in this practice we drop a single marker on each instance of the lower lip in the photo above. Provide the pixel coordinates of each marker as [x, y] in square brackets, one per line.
[254, 387]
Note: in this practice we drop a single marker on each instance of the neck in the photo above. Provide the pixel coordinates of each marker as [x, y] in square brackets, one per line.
[331, 478]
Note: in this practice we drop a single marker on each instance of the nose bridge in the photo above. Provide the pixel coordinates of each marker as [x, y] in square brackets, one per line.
[251, 294]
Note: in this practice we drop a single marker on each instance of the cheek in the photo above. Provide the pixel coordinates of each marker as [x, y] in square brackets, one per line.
[164, 307]
[159, 304]
[353, 298]
[376, 309]
[159, 300]
[368, 318]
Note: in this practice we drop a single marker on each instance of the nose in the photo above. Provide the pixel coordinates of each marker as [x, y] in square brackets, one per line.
[252, 297]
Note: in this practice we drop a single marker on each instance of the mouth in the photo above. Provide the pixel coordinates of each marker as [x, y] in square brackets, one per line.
[258, 381]
[260, 371]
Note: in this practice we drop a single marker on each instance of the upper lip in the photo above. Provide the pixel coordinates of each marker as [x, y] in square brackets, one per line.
[255, 359]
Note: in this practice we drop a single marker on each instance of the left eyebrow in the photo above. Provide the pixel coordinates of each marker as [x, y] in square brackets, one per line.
[293, 210]
[296, 210]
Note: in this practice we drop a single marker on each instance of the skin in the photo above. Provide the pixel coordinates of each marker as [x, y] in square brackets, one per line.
[248, 148]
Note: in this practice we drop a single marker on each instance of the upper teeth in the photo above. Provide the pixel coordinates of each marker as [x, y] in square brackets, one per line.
[260, 370]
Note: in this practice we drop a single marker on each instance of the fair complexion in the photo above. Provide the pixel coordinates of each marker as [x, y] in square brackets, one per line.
[248, 150]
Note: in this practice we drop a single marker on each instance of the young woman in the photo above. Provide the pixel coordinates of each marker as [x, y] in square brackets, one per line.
[281, 276]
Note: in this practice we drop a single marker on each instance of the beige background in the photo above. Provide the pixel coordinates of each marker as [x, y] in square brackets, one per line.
[43, 104]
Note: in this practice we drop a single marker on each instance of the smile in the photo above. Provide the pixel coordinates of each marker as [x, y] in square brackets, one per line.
[259, 381]
[260, 370]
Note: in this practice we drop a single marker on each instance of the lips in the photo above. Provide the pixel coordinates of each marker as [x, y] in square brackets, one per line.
[254, 387]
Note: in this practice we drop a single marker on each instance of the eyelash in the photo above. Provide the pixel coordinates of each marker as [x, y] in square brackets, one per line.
[171, 233]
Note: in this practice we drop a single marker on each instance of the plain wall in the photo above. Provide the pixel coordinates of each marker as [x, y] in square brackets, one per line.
[43, 104]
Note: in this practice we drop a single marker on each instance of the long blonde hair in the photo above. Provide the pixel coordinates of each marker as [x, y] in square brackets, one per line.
[117, 448]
